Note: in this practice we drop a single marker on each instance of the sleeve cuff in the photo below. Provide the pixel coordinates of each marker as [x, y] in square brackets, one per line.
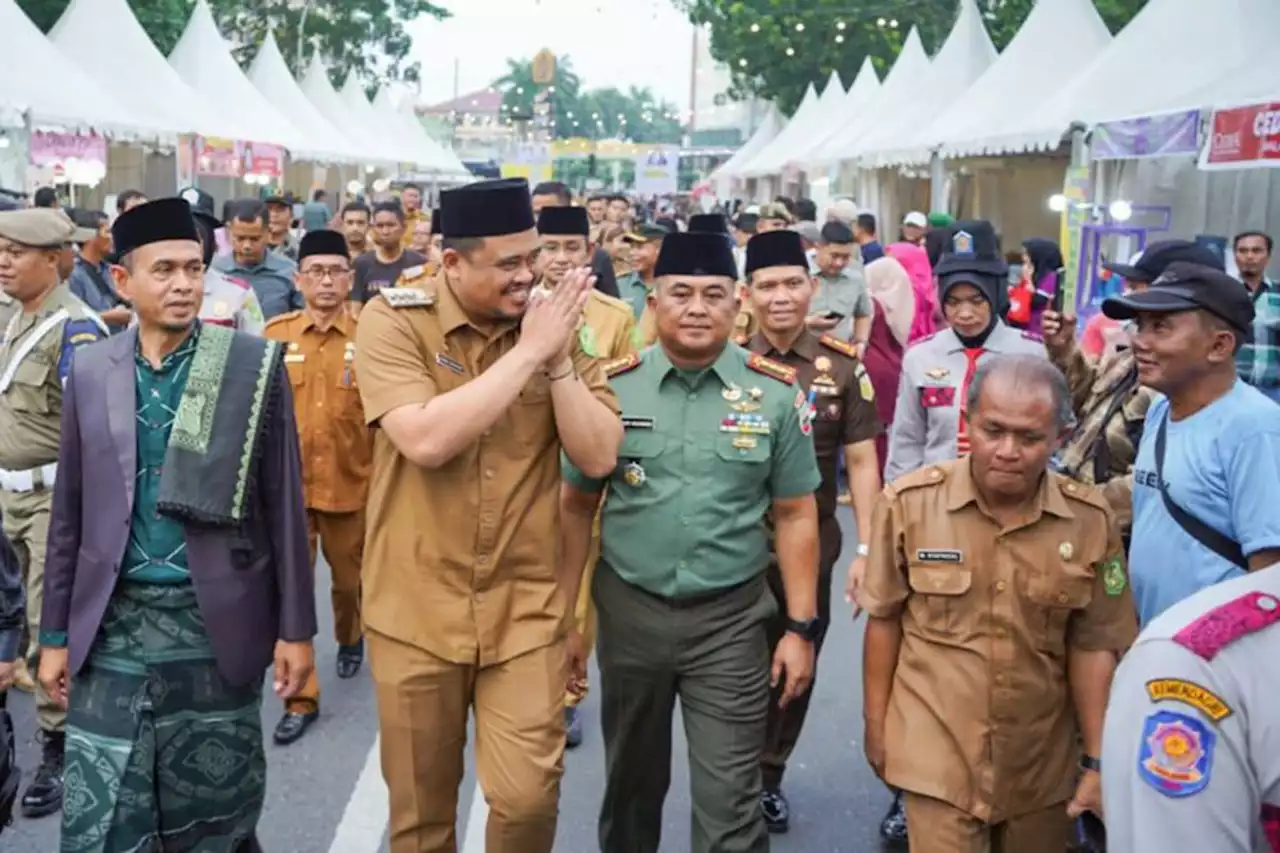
[53, 639]
[9, 642]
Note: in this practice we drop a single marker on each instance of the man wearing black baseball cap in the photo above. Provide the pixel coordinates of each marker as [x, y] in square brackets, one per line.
[1207, 477]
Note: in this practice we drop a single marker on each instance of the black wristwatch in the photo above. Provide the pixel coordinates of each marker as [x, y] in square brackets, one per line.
[1088, 762]
[809, 628]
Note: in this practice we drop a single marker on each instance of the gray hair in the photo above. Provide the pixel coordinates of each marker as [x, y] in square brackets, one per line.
[1027, 371]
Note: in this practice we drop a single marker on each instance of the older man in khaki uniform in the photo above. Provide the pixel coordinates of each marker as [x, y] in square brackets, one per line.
[45, 325]
[476, 383]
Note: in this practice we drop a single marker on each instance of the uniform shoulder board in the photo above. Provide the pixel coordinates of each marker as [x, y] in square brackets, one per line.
[1092, 495]
[929, 475]
[769, 367]
[619, 366]
[414, 271]
[282, 318]
[407, 297]
[1226, 623]
[842, 347]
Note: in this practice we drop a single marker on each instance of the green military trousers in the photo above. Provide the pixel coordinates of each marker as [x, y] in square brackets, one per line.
[712, 654]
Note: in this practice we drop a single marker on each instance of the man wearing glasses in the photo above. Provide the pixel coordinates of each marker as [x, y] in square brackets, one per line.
[320, 341]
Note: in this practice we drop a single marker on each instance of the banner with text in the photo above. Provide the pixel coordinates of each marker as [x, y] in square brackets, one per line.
[1243, 138]
[57, 149]
[658, 171]
[1166, 135]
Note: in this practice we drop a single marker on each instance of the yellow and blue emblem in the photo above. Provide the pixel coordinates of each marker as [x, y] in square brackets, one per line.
[1176, 757]
[962, 243]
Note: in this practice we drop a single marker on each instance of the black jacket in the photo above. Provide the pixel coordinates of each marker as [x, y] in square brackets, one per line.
[13, 601]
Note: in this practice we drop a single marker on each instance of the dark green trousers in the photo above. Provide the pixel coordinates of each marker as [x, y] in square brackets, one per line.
[713, 655]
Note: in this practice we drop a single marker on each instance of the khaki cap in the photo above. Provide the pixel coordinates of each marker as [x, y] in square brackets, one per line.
[37, 227]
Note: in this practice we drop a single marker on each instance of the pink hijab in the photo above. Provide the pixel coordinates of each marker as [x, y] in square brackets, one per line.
[915, 261]
[889, 285]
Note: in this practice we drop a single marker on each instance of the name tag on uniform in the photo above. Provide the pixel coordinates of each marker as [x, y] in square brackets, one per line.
[449, 363]
[938, 555]
[638, 422]
[294, 358]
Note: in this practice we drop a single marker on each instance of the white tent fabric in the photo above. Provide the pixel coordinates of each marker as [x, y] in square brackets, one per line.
[765, 133]
[458, 171]
[204, 62]
[388, 144]
[900, 83]
[860, 95]
[140, 76]
[1123, 81]
[270, 75]
[1240, 86]
[803, 125]
[320, 92]
[1042, 58]
[431, 157]
[964, 57]
[56, 92]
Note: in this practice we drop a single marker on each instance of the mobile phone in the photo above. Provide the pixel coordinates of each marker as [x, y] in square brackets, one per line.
[1059, 293]
[1091, 833]
[833, 315]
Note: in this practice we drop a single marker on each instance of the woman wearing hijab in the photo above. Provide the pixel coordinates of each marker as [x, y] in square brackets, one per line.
[895, 307]
[1028, 299]
[928, 314]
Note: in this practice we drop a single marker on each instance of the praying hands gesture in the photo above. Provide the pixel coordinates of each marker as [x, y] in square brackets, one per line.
[552, 318]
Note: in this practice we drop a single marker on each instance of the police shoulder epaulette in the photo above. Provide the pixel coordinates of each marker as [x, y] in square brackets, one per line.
[619, 366]
[411, 273]
[929, 475]
[842, 347]
[282, 318]
[1223, 625]
[769, 367]
[407, 297]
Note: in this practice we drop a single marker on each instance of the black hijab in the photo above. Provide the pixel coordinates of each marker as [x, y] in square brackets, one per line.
[1045, 257]
[987, 286]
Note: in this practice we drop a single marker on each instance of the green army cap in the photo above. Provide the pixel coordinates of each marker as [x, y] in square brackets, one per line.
[37, 227]
[646, 232]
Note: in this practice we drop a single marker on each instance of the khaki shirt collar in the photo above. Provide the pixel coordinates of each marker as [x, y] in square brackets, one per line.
[961, 491]
[342, 323]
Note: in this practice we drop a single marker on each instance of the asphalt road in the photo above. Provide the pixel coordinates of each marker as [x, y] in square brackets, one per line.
[325, 793]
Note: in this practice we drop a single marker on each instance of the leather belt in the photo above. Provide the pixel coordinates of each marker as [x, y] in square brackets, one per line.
[29, 480]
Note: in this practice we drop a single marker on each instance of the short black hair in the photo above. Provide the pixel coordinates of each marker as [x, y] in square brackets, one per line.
[1266, 238]
[94, 219]
[126, 198]
[620, 197]
[806, 210]
[838, 233]
[246, 210]
[786, 202]
[597, 197]
[45, 197]
[555, 188]
[319, 195]
[357, 207]
[747, 223]
[462, 245]
[389, 207]
[411, 186]
[867, 222]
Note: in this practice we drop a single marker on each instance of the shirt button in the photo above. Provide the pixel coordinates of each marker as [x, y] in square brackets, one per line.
[1000, 585]
[1062, 598]
[487, 433]
[693, 396]
[488, 473]
[482, 559]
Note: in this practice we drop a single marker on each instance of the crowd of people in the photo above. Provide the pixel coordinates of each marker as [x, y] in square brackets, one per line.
[523, 427]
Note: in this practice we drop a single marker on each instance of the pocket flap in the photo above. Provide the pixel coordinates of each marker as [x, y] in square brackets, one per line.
[743, 448]
[939, 580]
[640, 444]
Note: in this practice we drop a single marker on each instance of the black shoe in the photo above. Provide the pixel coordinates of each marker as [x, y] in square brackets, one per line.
[293, 725]
[44, 795]
[777, 811]
[349, 659]
[894, 826]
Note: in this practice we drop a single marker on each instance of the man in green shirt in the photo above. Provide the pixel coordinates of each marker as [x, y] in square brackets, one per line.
[717, 440]
[633, 288]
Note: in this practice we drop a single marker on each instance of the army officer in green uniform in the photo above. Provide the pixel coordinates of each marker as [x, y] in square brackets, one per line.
[716, 439]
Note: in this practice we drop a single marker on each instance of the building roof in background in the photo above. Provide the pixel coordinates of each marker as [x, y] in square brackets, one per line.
[480, 102]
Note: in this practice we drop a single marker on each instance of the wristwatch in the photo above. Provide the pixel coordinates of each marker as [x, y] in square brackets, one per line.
[808, 628]
[1088, 762]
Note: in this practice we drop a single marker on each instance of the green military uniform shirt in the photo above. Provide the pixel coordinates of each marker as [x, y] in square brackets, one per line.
[705, 453]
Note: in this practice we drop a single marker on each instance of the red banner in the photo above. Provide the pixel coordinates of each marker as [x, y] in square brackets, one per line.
[1243, 138]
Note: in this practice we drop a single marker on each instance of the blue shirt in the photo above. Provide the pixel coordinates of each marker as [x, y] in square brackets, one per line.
[271, 280]
[1258, 361]
[872, 251]
[1221, 465]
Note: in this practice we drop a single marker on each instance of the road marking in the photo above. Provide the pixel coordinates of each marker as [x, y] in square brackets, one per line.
[364, 822]
[477, 818]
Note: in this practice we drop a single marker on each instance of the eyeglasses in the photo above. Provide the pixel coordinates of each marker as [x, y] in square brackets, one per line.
[319, 274]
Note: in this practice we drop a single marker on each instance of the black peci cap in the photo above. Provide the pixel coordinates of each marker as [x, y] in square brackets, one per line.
[782, 248]
[696, 253]
[154, 222]
[487, 209]
[322, 242]
[564, 221]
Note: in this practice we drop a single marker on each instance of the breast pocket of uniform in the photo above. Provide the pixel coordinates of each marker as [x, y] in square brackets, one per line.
[938, 594]
[747, 458]
[638, 457]
[29, 391]
[1053, 592]
[296, 366]
[531, 417]
[937, 396]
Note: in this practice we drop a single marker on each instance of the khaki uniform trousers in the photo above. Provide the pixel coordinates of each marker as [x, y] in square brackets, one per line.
[26, 524]
[423, 703]
[938, 827]
[341, 538]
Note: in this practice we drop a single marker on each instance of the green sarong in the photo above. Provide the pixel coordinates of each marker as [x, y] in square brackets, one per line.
[162, 754]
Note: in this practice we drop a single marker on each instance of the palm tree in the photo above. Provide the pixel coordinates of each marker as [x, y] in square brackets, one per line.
[519, 91]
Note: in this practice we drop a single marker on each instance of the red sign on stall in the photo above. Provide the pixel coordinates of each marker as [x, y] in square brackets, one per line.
[1243, 138]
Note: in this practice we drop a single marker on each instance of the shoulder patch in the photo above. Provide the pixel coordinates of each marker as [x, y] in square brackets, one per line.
[619, 366]
[1175, 755]
[771, 368]
[842, 347]
[407, 297]
[929, 475]
[1189, 693]
[413, 272]
[1226, 623]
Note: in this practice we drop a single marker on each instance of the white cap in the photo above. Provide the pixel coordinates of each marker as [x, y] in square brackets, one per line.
[845, 210]
[916, 218]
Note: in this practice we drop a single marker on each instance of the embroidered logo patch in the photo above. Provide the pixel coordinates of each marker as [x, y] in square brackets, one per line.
[1113, 579]
[1176, 757]
[1189, 693]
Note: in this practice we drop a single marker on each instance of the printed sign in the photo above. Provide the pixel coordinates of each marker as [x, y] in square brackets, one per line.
[57, 149]
[1243, 138]
[658, 170]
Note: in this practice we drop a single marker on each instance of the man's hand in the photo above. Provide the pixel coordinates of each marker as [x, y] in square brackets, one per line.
[792, 660]
[53, 674]
[1059, 333]
[294, 663]
[551, 319]
[857, 571]
[575, 663]
[873, 746]
[821, 322]
[7, 670]
[1088, 796]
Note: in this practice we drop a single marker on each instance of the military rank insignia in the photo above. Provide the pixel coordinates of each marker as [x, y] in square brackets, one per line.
[842, 347]
[619, 366]
[768, 367]
[1176, 754]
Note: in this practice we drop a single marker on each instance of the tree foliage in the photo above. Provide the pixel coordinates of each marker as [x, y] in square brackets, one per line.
[776, 48]
[364, 37]
[609, 113]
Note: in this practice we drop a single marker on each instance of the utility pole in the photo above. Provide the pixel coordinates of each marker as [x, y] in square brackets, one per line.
[693, 84]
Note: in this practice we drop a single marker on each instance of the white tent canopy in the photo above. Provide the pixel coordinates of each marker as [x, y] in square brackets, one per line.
[1042, 58]
[964, 57]
[457, 171]
[271, 77]
[203, 60]
[812, 113]
[765, 133]
[1198, 43]
[900, 83]
[55, 91]
[319, 91]
[1240, 86]
[388, 144]
[431, 156]
[833, 100]
[863, 91]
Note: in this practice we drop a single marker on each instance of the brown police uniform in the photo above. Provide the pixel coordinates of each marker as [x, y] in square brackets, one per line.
[830, 375]
[981, 731]
[336, 459]
[461, 600]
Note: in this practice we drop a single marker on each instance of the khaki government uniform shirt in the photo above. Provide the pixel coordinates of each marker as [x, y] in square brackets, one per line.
[980, 715]
[461, 561]
[337, 447]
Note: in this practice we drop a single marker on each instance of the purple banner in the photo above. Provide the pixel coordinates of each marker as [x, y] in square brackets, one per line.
[1166, 135]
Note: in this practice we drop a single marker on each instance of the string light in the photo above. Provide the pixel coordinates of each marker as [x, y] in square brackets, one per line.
[742, 62]
[791, 51]
[839, 39]
[799, 28]
[755, 28]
